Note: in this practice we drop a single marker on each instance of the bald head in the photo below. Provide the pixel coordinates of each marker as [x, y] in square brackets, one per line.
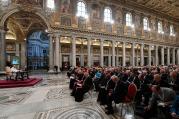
[115, 78]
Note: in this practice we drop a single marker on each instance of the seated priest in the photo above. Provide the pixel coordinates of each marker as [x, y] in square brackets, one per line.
[81, 88]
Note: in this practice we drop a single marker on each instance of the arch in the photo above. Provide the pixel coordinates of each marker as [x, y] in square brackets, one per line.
[81, 8]
[15, 10]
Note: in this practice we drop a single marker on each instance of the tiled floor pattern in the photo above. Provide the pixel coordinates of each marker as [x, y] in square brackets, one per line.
[82, 111]
[13, 98]
[51, 99]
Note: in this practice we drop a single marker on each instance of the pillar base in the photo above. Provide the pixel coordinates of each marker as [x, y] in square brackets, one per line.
[59, 71]
[51, 71]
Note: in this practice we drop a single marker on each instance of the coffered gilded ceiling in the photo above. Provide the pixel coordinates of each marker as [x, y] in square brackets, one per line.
[22, 23]
[169, 7]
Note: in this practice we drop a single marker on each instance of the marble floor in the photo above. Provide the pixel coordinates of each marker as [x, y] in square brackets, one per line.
[50, 99]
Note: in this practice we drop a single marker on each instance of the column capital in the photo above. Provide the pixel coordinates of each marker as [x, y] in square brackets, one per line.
[73, 36]
[88, 38]
[2, 30]
[101, 40]
[133, 43]
[150, 46]
[142, 43]
[50, 35]
[57, 35]
[124, 42]
[162, 46]
[113, 41]
[88, 42]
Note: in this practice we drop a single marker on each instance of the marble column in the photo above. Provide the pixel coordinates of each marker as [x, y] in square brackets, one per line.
[149, 55]
[57, 51]
[102, 53]
[109, 60]
[2, 50]
[60, 51]
[23, 54]
[137, 57]
[142, 54]
[82, 55]
[113, 54]
[124, 54]
[92, 57]
[173, 56]
[162, 56]
[133, 54]
[73, 51]
[168, 56]
[89, 51]
[156, 56]
[51, 53]
[178, 56]
[117, 56]
[17, 49]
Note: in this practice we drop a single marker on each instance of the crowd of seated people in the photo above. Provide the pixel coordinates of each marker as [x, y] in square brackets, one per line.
[157, 87]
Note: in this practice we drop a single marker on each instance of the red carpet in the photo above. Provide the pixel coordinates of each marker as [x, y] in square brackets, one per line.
[19, 83]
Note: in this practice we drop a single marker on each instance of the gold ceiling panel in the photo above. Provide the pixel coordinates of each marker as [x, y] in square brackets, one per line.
[169, 7]
[22, 23]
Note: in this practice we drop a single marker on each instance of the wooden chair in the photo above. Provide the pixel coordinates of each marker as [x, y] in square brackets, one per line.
[129, 98]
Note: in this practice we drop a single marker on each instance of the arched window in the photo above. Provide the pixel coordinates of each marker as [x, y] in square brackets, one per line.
[160, 28]
[108, 15]
[172, 32]
[128, 19]
[50, 4]
[81, 9]
[146, 24]
[5, 2]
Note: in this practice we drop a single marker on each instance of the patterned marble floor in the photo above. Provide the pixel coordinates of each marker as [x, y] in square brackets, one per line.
[51, 99]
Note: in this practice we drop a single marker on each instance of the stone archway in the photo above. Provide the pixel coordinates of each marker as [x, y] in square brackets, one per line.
[9, 16]
[19, 9]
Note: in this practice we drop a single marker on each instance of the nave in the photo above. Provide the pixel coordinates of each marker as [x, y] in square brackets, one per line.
[50, 99]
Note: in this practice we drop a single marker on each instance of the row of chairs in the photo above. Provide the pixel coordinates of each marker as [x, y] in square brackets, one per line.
[128, 102]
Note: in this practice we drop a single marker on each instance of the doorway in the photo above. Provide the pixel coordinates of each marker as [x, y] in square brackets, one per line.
[37, 51]
[65, 62]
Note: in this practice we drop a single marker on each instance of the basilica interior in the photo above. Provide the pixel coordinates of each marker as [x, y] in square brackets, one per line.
[47, 37]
